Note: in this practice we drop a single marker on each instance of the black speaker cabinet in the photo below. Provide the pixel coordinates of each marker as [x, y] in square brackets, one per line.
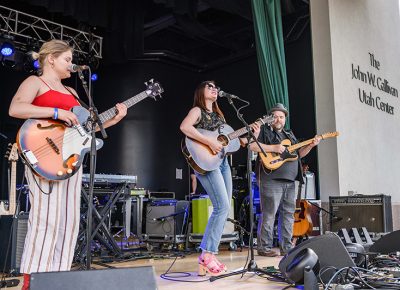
[16, 229]
[330, 251]
[140, 278]
[371, 211]
[166, 217]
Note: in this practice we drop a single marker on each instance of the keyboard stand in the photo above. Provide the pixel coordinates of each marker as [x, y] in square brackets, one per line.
[100, 232]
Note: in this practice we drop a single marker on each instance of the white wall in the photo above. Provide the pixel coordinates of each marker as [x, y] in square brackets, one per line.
[346, 34]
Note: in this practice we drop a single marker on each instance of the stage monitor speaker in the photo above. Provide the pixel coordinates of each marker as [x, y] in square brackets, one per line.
[140, 278]
[329, 249]
[387, 244]
[371, 211]
[17, 227]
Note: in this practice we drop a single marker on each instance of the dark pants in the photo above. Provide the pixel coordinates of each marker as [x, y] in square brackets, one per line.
[274, 195]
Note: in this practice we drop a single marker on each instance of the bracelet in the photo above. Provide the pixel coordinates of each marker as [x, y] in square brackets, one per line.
[55, 116]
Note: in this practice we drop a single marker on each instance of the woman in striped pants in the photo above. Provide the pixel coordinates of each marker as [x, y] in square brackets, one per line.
[54, 216]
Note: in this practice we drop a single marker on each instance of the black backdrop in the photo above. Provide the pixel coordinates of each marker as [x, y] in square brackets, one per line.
[147, 142]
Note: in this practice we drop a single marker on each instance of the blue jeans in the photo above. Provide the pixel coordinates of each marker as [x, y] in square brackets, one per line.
[274, 195]
[218, 185]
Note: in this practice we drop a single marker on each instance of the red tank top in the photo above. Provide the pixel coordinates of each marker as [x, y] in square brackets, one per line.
[55, 99]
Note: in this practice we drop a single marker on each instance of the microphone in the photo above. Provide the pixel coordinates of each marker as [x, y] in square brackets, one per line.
[75, 68]
[226, 95]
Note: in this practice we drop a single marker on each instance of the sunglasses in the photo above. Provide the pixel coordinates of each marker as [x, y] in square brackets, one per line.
[211, 86]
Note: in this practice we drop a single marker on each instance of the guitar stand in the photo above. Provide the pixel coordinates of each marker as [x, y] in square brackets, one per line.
[101, 231]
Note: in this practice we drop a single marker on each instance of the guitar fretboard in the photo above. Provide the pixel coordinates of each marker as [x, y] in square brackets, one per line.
[110, 113]
[309, 141]
[243, 130]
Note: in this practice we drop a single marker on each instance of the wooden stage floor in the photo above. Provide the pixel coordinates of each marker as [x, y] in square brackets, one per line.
[233, 260]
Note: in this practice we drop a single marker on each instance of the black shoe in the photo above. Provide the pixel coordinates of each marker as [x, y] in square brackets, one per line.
[269, 253]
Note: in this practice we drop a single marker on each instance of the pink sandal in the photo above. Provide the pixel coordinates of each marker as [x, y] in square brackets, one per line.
[222, 266]
[210, 265]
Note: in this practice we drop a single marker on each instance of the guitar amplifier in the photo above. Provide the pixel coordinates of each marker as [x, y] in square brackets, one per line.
[17, 227]
[371, 211]
[166, 217]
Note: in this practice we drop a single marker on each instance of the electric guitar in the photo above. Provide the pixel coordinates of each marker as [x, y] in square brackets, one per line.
[273, 161]
[55, 151]
[202, 159]
[12, 155]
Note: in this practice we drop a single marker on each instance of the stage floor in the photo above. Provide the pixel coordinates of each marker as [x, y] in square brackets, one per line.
[233, 260]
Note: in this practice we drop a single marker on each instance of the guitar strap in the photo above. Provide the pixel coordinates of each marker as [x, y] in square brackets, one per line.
[83, 104]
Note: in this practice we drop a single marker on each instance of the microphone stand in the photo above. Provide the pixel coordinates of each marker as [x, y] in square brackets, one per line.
[94, 120]
[252, 265]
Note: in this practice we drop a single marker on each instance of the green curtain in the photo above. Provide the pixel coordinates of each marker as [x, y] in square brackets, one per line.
[267, 21]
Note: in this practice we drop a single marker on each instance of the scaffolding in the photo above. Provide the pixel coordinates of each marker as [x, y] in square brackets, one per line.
[28, 31]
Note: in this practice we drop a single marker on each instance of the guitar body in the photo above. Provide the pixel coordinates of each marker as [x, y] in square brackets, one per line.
[303, 225]
[53, 150]
[273, 161]
[200, 157]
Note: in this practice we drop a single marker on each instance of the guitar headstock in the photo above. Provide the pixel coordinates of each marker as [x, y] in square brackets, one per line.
[329, 135]
[153, 89]
[12, 152]
[267, 119]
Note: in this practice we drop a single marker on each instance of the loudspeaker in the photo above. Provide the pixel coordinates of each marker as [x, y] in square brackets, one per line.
[387, 244]
[329, 249]
[140, 278]
[373, 212]
[166, 217]
[17, 227]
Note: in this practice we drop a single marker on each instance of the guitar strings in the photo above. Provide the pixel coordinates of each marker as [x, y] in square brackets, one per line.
[130, 102]
[46, 149]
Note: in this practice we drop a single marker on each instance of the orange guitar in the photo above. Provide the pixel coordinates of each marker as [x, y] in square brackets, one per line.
[303, 225]
[273, 161]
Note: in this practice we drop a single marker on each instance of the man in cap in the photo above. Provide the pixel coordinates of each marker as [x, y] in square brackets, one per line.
[277, 187]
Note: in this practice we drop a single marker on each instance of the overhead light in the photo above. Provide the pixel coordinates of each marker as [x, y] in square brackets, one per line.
[7, 47]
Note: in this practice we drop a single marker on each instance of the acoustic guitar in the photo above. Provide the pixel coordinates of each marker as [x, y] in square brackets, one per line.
[302, 225]
[273, 161]
[202, 159]
[12, 154]
[55, 151]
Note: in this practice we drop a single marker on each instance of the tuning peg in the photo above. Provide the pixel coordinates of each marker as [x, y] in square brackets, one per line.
[146, 84]
[151, 80]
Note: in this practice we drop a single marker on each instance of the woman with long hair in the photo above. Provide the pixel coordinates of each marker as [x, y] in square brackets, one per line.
[206, 114]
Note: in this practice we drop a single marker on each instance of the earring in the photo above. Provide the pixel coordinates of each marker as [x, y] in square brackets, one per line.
[52, 64]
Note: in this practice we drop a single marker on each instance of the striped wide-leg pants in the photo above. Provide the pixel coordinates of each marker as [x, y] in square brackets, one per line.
[53, 224]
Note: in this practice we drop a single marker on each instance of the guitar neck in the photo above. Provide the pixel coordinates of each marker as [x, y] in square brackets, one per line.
[13, 182]
[241, 131]
[110, 113]
[309, 141]
[299, 145]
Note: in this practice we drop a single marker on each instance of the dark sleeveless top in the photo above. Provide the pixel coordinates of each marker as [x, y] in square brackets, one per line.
[209, 121]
